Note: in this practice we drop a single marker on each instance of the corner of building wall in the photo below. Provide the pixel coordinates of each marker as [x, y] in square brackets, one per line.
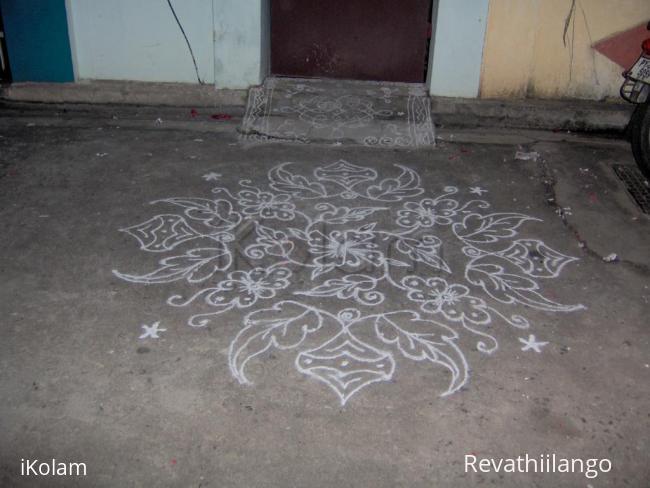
[479, 93]
[265, 41]
[72, 39]
[432, 42]
[455, 63]
[240, 33]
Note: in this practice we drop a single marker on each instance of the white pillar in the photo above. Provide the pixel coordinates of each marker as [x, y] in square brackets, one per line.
[457, 48]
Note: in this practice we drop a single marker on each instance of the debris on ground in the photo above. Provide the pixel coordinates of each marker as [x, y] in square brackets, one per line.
[221, 116]
[101, 154]
[527, 156]
[158, 121]
[611, 258]
[458, 154]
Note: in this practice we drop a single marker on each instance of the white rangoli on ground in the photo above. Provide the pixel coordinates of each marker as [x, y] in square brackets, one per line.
[303, 111]
[532, 344]
[151, 331]
[212, 176]
[382, 252]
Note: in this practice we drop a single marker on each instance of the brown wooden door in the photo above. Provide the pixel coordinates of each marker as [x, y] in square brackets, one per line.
[384, 40]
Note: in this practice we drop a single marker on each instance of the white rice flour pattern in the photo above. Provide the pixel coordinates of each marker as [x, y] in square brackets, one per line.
[301, 111]
[245, 250]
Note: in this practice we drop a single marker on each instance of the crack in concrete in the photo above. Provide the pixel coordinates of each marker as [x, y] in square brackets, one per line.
[549, 182]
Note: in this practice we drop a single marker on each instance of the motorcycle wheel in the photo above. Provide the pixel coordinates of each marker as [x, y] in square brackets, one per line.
[640, 137]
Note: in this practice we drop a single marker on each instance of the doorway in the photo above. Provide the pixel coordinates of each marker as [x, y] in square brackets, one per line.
[380, 40]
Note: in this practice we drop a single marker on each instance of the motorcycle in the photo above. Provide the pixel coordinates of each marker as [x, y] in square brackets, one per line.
[636, 89]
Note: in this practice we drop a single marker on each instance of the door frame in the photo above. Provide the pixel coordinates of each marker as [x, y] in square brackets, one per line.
[455, 63]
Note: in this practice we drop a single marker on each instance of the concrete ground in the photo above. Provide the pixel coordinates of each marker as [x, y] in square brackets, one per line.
[346, 400]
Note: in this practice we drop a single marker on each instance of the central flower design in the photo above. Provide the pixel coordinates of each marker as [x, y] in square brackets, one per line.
[329, 105]
[344, 248]
[344, 111]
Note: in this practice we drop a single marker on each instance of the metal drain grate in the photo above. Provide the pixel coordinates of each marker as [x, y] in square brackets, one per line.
[636, 185]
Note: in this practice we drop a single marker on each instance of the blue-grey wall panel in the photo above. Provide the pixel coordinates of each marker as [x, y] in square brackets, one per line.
[37, 40]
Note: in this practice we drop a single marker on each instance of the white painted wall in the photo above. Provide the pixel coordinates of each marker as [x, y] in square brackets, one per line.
[457, 50]
[140, 40]
[238, 45]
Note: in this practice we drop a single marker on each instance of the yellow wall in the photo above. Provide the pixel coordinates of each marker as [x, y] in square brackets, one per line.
[524, 54]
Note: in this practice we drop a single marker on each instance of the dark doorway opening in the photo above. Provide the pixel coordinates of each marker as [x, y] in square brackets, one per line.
[5, 72]
[381, 40]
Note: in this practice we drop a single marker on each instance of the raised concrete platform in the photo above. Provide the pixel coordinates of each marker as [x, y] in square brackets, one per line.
[574, 115]
[124, 92]
[339, 111]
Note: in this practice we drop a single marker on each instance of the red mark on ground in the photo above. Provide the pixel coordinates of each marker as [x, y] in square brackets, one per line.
[593, 198]
[456, 155]
[221, 116]
[193, 113]
[173, 461]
